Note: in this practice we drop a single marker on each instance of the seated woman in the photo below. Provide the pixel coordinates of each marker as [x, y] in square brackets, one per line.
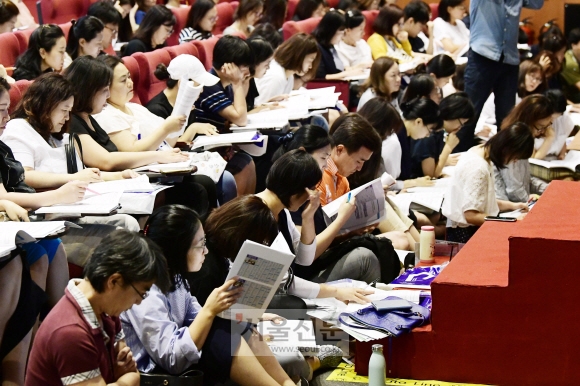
[470, 196]
[172, 332]
[450, 35]
[8, 16]
[156, 27]
[247, 14]
[328, 34]
[389, 39]
[353, 50]
[296, 56]
[274, 13]
[514, 182]
[305, 9]
[562, 125]
[531, 80]
[127, 26]
[85, 38]
[441, 68]
[72, 342]
[384, 81]
[132, 127]
[421, 86]
[93, 77]
[45, 53]
[420, 117]
[201, 19]
[35, 136]
[430, 155]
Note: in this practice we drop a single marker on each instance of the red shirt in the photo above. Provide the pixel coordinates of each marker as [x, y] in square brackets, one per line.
[70, 346]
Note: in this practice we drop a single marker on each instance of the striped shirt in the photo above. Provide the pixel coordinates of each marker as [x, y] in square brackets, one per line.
[211, 101]
[188, 34]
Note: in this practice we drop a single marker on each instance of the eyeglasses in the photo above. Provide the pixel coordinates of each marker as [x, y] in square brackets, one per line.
[534, 78]
[542, 129]
[213, 19]
[168, 29]
[113, 31]
[142, 295]
[203, 244]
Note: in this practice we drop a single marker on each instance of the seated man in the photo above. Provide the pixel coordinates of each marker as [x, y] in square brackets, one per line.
[111, 18]
[571, 70]
[81, 341]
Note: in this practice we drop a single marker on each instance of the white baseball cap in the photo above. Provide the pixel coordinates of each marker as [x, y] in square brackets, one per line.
[188, 66]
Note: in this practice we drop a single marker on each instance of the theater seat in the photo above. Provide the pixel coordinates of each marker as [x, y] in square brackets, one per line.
[205, 49]
[291, 9]
[291, 28]
[370, 17]
[181, 17]
[434, 10]
[186, 48]
[341, 86]
[133, 67]
[10, 49]
[225, 16]
[149, 85]
[332, 3]
[63, 11]
[23, 37]
[16, 92]
[65, 27]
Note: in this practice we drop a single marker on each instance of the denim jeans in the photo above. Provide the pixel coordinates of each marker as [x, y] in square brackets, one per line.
[482, 77]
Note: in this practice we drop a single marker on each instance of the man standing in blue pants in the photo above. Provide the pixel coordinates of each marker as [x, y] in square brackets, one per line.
[493, 58]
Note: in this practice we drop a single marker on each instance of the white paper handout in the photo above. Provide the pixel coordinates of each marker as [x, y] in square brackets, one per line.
[370, 206]
[15, 233]
[129, 185]
[209, 141]
[260, 270]
[268, 119]
[186, 97]
[431, 200]
[101, 204]
[320, 98]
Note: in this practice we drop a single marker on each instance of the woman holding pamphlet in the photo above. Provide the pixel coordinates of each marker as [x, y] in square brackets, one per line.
[172, 333]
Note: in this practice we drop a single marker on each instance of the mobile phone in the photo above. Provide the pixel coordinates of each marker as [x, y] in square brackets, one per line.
[391, 305]
[497, 218]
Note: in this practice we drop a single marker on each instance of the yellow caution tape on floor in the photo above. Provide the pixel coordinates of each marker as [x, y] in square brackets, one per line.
[345, 373]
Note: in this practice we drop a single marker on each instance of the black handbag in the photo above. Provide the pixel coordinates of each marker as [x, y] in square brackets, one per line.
[71, 153]
[189, 378]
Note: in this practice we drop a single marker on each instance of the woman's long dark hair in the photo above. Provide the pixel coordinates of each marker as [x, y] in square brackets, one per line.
[45, 36]
[172, 228]
[197, 12]
[87, 27]
[309, 137]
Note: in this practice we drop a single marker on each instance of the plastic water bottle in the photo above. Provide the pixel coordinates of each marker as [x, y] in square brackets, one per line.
[377, 371]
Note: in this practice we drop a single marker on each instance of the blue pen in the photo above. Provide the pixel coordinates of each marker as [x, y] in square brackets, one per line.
[348, 197]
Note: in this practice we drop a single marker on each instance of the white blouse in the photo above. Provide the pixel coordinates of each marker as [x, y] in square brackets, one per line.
[142, 121]
[472, 188]
[353, 55]
[563, 126]
[32, 151]
[273, 83]
[458, 34]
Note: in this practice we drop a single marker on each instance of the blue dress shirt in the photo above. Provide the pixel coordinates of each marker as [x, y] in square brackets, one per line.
[494, 27]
